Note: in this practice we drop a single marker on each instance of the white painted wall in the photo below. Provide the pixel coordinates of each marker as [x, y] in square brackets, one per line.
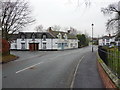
[50, 43]
[18, 44]
[13, 45]
[100, 42]
[55, 45]
[105, 41]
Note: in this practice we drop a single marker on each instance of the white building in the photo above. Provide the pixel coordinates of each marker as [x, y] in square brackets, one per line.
[51, 40]
[108, 41]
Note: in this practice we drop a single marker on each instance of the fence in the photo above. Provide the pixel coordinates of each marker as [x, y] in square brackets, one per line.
[111, 57]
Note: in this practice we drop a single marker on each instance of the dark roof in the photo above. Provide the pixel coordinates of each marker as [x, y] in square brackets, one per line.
[95, 38]
[37, 34]
[107, 37]
[55, 33]
[13, 36]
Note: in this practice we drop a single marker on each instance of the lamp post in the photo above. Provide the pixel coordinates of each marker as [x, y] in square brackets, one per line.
[92, 37]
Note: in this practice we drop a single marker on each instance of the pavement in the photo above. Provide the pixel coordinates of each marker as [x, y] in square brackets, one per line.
[87, 74]
[52, 69]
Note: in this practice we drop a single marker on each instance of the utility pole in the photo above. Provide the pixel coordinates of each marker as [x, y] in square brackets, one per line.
[92, 37]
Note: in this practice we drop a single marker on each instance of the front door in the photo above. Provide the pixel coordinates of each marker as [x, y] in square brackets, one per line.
[23, 46]
[62, 47]
[36, 46]
[33, 46]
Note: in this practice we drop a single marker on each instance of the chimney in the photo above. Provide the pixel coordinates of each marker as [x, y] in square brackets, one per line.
[109, 35]
[69, 31]
[49, 29]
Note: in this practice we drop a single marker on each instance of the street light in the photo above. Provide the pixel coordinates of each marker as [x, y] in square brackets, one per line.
[92, 36]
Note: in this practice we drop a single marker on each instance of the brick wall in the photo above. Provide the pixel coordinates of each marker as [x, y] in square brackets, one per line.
[105, 78]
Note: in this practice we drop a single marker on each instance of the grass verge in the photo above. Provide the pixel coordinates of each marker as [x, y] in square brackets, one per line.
[7, 58]
[113, 77]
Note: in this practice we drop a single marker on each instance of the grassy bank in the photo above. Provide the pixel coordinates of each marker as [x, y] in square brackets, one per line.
[110, 74]
[114, 60]
[7, 58]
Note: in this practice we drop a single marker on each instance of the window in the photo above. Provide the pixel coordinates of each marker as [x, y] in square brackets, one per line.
[75, 44]
[103, 44]
[59, 45]
[107, 44]
[59, 36]
[71, 45]
[107, 40]
[118, 39]
[22, 45]
[44, 45]
[66, 45]
[65, 36]
[15, 46]
[22, 37]
[44, 37]
[33, 37]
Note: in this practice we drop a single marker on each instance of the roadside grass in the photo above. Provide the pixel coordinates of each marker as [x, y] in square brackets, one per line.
[114, 60]
[7, 58]
[110, 73]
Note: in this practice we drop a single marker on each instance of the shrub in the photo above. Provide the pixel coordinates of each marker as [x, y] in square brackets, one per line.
[5, 47]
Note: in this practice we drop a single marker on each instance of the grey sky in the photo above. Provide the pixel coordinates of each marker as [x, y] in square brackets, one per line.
[66, 13]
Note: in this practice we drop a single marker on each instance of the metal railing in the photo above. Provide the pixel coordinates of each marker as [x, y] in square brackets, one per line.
[111, 57]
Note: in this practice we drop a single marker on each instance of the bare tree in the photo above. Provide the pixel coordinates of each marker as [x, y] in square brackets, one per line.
[56, 27]
[87, 3]
[73, 31]
[39, 28]
[15, 15]
[112, 23]
[66, 29]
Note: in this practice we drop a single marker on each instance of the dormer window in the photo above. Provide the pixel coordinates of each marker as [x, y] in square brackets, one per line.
[44, 37]
[23, 37]
[59, 36]
[107, 40]
[33, 37]
[65, 36]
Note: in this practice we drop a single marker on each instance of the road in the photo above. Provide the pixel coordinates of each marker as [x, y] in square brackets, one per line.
[51, 69]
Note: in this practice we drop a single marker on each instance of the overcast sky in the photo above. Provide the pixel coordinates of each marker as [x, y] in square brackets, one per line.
[68, 13]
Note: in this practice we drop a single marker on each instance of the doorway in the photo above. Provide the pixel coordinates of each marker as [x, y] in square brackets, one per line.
[33, 46]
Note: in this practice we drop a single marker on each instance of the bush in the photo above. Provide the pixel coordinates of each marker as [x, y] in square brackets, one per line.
[5, 47]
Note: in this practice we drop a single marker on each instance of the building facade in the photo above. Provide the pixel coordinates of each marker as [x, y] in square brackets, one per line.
[51, 40]
[108, 41]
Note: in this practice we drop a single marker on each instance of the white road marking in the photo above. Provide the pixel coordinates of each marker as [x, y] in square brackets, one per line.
[28, 67]
[72, 83]
[42, 62]
[39, 63]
